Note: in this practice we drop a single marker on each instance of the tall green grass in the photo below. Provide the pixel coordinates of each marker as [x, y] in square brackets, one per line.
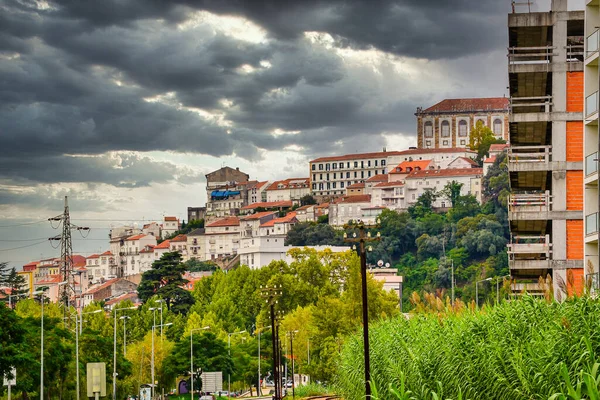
[311, 389]
[526, 349]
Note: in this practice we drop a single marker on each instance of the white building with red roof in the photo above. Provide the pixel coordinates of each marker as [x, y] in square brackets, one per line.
[250, 224]
[347, 208]
[222, 238]
[179, 243]
[146, 258]
[389, 195]
[448, 123]
[463, 162]
[419, 182]
[161, 248]
[278, 226]
[292, 189]
[170, 225]
[439, 158]
[101, 267]
[257, 192]
[130, 253]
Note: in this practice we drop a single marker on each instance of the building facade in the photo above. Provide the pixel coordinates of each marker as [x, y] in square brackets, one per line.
[448, 123]
[545, 157]
[288, 190]
[225, 193]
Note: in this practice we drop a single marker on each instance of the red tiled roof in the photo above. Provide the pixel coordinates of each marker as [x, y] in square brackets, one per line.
[78, 261]
[93, 256]
[227, 221]
[436, 151]
[258, 215]
[357, 156]
[389, 184]
[498, 147]
[322, 205]
[136, 237]
[290, 183]
[490, 160]
[445, 172]
[290, 217]
[268, 204]
[356, 185]
[179, 238]
[465, 105]
[260, 184]
[52, 279]
[104, 285]
[107, 253]
[468, 160]
[378, 178]
[408, 166]
[163, 245]
[123, 297]
[361, 198]
[148, 249]
[306, 207]
[170, 218]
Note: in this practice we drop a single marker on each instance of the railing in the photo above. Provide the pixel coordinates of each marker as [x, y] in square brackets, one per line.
[530, 154]
[592, 43]
[537, 101]
[530, 55]
[591, 164]
[530, 245]
[591, 104]
[591, 224]
[575, 52]
[530, 202]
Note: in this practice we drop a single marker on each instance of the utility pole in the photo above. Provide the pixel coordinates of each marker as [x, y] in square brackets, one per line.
[271, 295]
[363, 237]
[66, 252]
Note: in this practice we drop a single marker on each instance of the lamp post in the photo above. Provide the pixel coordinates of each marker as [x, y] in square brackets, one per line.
[229, 352]
[78, 331]
[362, 238]
[153, 329]
[161, 301]
[292, 355]
[192, 356]
[271, 295]
[259, 386]
[81, 318]
[498, 287]
[41, 294]
[10, 296]
[477, 290]
[125, 318]
[114, 394]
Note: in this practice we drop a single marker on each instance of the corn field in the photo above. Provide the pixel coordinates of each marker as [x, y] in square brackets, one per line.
[525, 349]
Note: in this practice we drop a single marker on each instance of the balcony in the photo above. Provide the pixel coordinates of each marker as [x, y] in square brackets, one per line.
[591, 44]
[575, 52]
[530, 202]
[591, 105]
[591, 164]
[529, 252]
[529, 158]
[530, 55]
[531, 104]
[591, 224]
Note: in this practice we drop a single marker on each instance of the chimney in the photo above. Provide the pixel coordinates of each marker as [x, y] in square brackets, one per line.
[237, 168]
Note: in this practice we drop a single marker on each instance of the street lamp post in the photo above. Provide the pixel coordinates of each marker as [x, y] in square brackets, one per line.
[271, 294]
[125, 318]
[192, 355]
[152, 361]
[78, 331]
[477, 290]
[229, 352]
[161, 301]
[363, 237]
[259, 387]
[114, 395]
[293, 364]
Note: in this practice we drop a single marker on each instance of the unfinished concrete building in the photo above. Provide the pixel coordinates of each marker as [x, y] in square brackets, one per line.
[545, 69]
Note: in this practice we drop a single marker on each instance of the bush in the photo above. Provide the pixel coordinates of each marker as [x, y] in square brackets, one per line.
[312, 389]
[526, 349]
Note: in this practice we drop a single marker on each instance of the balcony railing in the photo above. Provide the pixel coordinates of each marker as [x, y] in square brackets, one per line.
[530, 247]
[591, 224]
[592, 43]
[530, 55]
[528, 102]
[575, 52]
[530, 202]
[591, 164]
[591, 104]
[530, 154]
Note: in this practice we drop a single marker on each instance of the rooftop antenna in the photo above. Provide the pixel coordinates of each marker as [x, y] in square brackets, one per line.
[527, 3]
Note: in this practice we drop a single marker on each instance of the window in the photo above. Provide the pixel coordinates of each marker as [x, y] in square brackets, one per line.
[334, 175]
[347, 175]
[314, 177]
[342, 185]
[498, 127]
[355, 164]
[314, 167]
[362, 164]
[355, 174]
[383, 163]
[428, 129]
[369, 163]
[445, 142]
[375, 162]
[463, 142]
[348, 165]
[321, 176]
[333, 185]
[369, 174]
[445, 129]
[462, 128]
[327, 167]
[341, 165]
[334, 166]
[320, 167]
[428, 143]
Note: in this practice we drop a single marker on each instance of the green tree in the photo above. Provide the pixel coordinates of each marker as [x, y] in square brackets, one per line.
[165, 280]
[313, 234]
[12, 331]
[16, 285]
[307, 199]
[424, 205]
[451, 191]
[480, 140]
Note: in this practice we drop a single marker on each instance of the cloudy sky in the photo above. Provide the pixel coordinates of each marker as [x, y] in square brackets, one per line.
[124, 105]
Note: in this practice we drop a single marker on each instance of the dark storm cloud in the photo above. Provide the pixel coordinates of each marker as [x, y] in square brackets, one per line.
[74, 77]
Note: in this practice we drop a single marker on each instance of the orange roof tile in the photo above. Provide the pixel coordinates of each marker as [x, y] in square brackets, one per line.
[268, 204]
[148, 249]
[93, 256]
[322, 205]
[469, 105]
[227, 221]
[445, 172]
[123, 297]
[498, 147]
[104, 285]
[378, 178]
[356, 185]
[290, 217]
[436, 151]
[408, 166]
[389, 184]
[357, 156]
[170, 219]
[470, 161]
[290, 183]
[361, 198]
[163, 245]
[306, 207]
[490, 160]
[179, 238]
[258, 215]
[107, 253]
[136, 237]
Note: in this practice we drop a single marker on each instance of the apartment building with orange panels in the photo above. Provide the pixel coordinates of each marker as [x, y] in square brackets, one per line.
[545, 157]
[590, 142]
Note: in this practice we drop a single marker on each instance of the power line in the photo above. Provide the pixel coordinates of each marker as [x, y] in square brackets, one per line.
[22, 247]
[23, 224]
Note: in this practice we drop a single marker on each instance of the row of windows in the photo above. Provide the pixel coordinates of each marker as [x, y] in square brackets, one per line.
[463, 129]
[331, 166]
[348, 175]
[428, 143]
[329, 185]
